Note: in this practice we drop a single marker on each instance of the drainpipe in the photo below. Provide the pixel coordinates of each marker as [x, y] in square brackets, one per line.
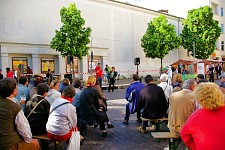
[178, 53]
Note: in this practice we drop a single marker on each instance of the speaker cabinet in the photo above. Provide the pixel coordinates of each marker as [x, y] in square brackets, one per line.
[137, 61]
[69, 59]
[69, 76]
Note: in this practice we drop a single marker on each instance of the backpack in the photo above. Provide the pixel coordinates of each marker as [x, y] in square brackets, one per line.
[132, 102]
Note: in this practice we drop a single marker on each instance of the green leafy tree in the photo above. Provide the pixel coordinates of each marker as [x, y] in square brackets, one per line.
[160, 38]
[72, 38]
[200, 32]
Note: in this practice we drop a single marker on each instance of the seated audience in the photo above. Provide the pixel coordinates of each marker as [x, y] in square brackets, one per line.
[76, 99]
[176, 89]
[65, 82]
[168, 89]
[137, 86]
[205, 128]
[181, 106]
[102, 102]
[37, 111]
[39, 117]
[89, 106]
[201, 78]
[62, 118]
[38, 78]
[153, 102]
[15, 131]
[178, 81]
[53, 92]
[222, 85]
[23, 91]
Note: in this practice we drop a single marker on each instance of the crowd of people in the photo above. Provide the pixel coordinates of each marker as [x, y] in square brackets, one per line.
[56, 110]
[194, 107]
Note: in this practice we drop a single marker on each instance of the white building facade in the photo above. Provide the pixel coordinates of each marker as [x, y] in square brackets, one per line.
[218, 7]
[27, 27]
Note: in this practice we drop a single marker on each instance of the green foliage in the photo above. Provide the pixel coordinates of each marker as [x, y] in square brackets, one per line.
[72, 38]
[201, 28]
[159, 39]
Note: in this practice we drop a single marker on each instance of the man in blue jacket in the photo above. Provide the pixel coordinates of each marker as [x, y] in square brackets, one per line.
[135, 89]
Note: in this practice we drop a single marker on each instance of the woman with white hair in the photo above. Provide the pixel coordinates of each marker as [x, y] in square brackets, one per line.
[205, 128]
[168, 89]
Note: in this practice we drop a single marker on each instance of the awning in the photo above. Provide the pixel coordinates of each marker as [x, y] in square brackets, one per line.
[184, 62]
[208, 62]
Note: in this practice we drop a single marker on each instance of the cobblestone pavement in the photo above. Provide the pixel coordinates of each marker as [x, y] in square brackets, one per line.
[122, 137]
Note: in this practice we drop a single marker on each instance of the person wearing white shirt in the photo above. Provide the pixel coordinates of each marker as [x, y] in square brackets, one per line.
[15, 131]
[168, 89]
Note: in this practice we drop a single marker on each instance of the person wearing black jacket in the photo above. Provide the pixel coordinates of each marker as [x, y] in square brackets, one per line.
[152, 103]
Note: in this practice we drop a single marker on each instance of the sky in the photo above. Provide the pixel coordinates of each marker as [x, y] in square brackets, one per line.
[176, 7]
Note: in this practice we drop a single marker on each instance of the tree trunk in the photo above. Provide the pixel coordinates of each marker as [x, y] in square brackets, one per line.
[161, 67]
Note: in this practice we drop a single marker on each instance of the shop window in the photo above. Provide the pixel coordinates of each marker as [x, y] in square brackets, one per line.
[94, 64]
[47, 63]
[20, 63]
[72, 66]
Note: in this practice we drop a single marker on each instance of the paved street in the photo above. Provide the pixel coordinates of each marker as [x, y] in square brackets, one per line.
[121, 137]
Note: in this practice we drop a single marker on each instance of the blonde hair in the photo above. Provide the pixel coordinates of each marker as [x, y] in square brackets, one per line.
[178, 78]
[209, 95]
[53, 83]
[90, 81]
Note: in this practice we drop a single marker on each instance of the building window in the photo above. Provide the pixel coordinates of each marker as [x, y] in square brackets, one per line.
[20, 63]
[221, 11]
[222, 28]
[94, 64]
[222, 45]
[47, 63]
[217, 44]
[70, 67]
[215, 8]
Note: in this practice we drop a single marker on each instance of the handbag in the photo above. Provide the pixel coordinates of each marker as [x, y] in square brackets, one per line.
[74, 141]
[101, 116]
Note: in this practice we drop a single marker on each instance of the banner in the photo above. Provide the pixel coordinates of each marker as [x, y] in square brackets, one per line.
[200, 68]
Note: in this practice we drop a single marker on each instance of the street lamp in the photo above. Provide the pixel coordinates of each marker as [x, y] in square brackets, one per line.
[91, 55]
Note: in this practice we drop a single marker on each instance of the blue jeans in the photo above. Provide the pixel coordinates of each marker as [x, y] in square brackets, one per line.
[100, 82]
[127, 115]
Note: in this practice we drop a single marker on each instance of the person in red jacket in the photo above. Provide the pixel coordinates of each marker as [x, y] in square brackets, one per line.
[205, 128]
[9, 73]
[99, 74]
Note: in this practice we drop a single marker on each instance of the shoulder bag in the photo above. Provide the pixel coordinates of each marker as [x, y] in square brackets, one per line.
[34, 108]
[58, 106]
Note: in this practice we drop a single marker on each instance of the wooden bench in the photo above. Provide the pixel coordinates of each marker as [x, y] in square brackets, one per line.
[44, 137]
[174, 140]
[157, 121]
